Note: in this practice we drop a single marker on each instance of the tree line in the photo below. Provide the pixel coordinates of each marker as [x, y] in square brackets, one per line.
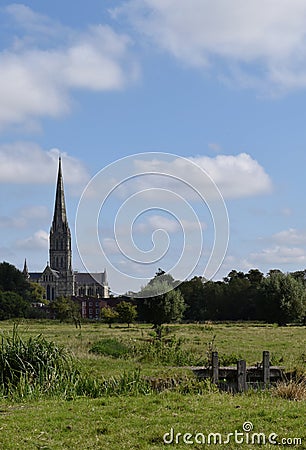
[276, 297]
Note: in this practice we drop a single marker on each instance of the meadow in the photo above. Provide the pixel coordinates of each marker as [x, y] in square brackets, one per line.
[130, 415]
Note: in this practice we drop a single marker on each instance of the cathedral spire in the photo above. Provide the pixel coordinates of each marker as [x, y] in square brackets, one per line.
[60, 216]
[25, 270]
[60, 236]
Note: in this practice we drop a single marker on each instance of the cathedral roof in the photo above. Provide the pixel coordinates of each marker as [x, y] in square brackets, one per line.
[88, 278]
[34, 276]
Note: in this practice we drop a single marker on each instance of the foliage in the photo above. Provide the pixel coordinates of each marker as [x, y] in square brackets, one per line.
[36, 293]
[248, 296]
[110, 347]
[283, 298]
[165, 351]
[12, 305]
[126, 312]
[64, 308]
[11, 279]
[109, 315]
[159, 302]
[32, 365]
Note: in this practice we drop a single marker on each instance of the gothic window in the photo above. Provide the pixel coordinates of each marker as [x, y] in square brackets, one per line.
[62, 245]
[56, 244]
[48, 292]
[62, 262]
[57, 262]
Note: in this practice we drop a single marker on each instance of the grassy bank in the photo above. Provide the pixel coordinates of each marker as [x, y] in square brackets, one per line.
[128, 418]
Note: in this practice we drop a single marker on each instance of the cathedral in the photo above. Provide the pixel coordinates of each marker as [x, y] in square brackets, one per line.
[59, 278]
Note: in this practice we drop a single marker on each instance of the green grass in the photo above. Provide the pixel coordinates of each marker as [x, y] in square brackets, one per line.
[131, 415]
[109, 347]
[286, 344]
[117, 423]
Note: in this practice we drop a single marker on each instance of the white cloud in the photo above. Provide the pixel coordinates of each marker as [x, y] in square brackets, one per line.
[280, 255]
[290, 237]
[26, 162]
[155, 222]
[38, 241]
[268, 35]
[36, 76]
[235, 176]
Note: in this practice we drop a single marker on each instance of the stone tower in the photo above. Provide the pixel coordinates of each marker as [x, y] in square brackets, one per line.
[60, 236]
[58, 278]
[60, 242]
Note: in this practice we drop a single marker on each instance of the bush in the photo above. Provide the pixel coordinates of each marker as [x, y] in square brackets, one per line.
[110, 347]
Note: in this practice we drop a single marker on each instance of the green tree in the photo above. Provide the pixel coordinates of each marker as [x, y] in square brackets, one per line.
[11, 279]
[109, 315]
[36, 293]
[126, 312]
[159, 303]
[64, 308]
[196, 301]
[283, 298]
[12, 305]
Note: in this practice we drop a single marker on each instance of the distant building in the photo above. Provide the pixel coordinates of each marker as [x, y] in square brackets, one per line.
[58, 277]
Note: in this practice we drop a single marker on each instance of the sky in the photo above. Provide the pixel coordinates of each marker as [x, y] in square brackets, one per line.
[181, 127]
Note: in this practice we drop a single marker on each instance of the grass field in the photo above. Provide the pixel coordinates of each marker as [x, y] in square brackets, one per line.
[140, 421]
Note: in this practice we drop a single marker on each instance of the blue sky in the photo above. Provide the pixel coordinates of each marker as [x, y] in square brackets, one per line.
[221, 83]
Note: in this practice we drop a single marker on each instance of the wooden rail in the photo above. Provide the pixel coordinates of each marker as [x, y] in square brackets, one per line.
[239, 378]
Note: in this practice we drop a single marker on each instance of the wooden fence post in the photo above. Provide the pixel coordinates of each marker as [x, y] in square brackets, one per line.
[241, 376]
[266, 368]
[215, 367]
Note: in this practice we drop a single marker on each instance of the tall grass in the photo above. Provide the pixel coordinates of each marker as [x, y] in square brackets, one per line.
[33, 366]
[291, 390]
[167, 351]
[36, 368]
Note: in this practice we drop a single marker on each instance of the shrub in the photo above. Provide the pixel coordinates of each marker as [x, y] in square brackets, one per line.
[110, 347]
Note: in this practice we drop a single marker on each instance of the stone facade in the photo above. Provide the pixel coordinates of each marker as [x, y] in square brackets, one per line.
[58, 278]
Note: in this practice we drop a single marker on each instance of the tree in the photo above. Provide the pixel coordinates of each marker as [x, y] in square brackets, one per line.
[159, 303]
[11, 279]
[36, 293]
[283, 298]
[126, 312]
[109, 315]
[64, 308]
[196, 302]
[12, 305]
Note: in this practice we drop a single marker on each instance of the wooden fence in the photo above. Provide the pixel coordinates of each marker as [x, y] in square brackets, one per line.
[239, 378]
